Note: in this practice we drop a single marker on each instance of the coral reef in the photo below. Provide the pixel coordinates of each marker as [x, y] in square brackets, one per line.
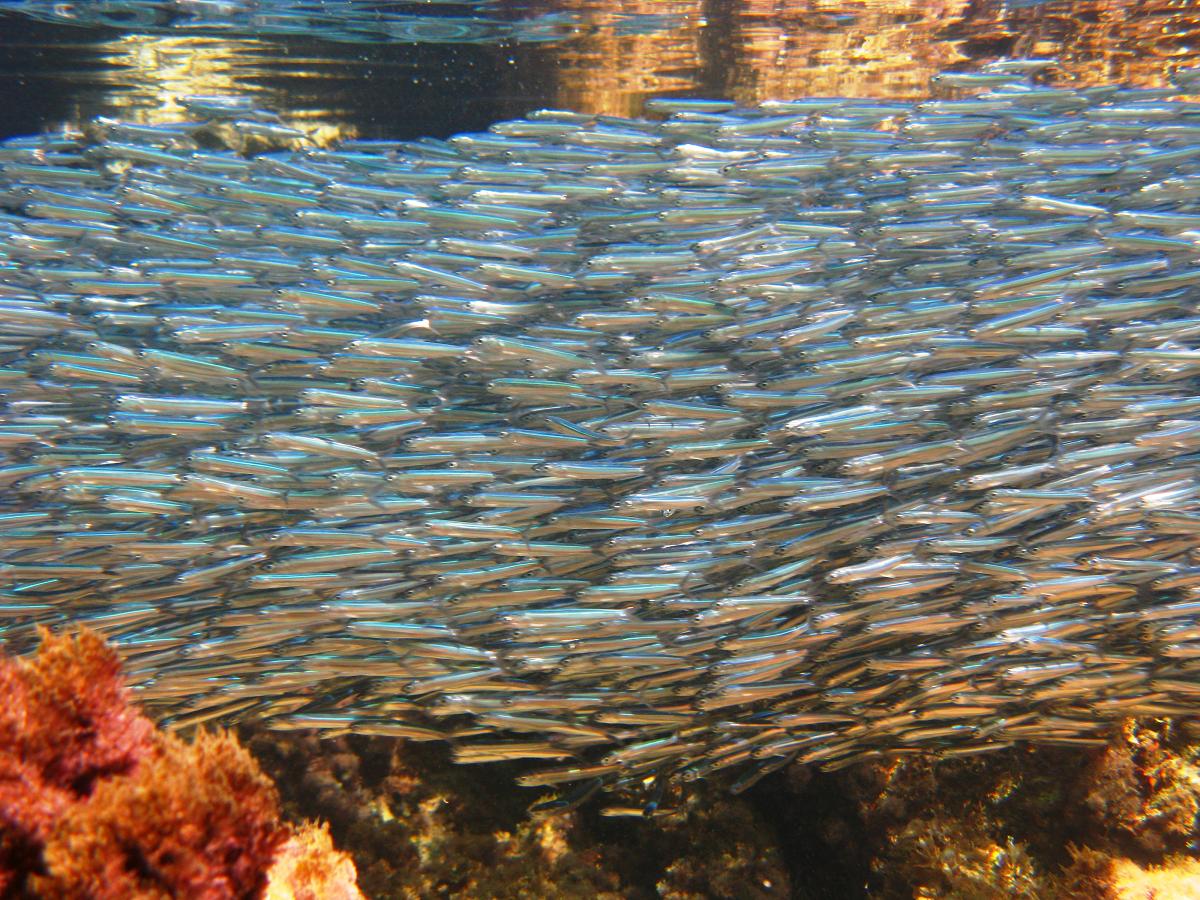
[1112, 822]
[420, 826]
[96, 803]
[1036, 822]
[1143, 792]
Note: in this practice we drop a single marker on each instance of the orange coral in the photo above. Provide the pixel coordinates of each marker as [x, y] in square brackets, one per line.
[1178, 879]
[308, 867]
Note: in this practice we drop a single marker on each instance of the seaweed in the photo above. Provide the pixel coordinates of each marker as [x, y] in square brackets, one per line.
[96, 803]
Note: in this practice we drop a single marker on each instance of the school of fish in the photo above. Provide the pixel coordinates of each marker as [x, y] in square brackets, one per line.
[644, 448]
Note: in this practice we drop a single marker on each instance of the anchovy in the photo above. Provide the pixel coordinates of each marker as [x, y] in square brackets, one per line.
[726, 437]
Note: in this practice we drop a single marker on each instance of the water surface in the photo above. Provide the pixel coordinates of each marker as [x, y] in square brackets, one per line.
[401, 70]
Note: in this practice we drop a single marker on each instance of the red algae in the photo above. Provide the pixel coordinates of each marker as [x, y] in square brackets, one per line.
[96, 803]
[70, 713]
[194, 820]
[67, 723]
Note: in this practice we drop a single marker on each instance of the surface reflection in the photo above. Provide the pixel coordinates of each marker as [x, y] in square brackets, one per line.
[618, 61]
[149, 74]
[815, 48]
[754, 50]
[1094, 40]
[405, 69]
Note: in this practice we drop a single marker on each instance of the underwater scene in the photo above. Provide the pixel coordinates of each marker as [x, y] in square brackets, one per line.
[573, 449]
